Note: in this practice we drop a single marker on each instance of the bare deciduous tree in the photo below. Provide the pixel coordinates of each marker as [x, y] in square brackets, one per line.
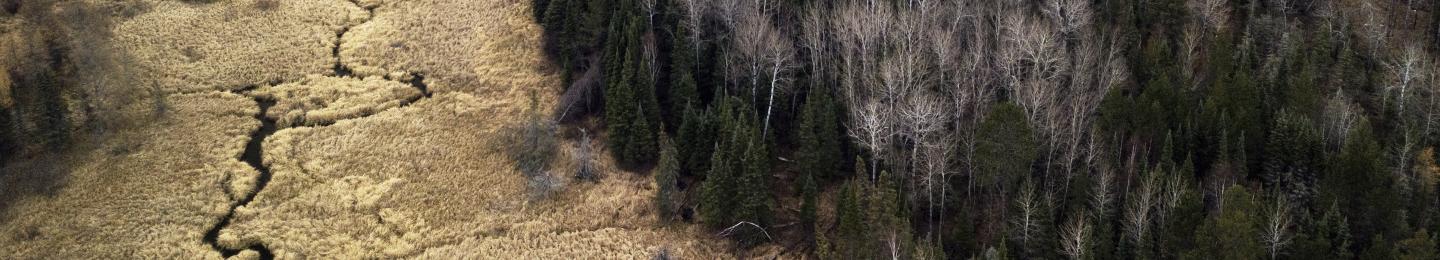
[1139, 209]
[1075, 237]
[1341, 116]
[860, 30]
[1276, 233]
[764, 52]
[1101, 196]
[1069, 16]
[1407, 70]
[1410, 78]
[1212, 14]
[1027, 222]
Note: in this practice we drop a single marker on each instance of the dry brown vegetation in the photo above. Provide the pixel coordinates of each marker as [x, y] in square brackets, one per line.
[326, 99]
[367, 168]
[482, 47]
[149, 192]
[431, 180]
[224, 45]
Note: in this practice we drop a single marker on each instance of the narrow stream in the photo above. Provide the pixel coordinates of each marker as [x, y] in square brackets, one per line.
[254, 156]
[254, 150]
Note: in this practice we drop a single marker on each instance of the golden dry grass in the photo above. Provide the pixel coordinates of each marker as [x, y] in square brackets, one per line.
[231, 44]
[326, 99]
[475, 46]
[148, 193]
[426, 180]
[429, 180]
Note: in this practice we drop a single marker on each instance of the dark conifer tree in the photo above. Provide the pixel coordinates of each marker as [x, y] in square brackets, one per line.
[1362, 189]
[666, 176]
[820, 136]
[684, 94]
[1327, 237]
[631, 112]
[1292, 158]
[852, 237]
[1006, 149]
[808, 192]
[718, 201]
[696, 142]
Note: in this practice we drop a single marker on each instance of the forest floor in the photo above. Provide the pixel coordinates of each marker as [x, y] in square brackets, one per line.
[328, 129]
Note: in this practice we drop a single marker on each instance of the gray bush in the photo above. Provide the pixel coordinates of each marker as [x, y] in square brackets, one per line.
[532, 144]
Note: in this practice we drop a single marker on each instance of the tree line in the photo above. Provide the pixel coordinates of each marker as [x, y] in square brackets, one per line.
[1169, 129]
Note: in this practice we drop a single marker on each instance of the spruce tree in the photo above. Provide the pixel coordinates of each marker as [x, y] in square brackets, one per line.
[1363, 189]
[808, 192]
[631, 114]
[666, 175]
[1006, 148]
[684, 94]
[558, 32]
[820, 137]
[753, 192]
[642, 78]
[696, 141]
[851, 238]
[1292, 157]
[617, 94]
[887, 216]
[718, 202]
[1234, 234]
[1327, 237]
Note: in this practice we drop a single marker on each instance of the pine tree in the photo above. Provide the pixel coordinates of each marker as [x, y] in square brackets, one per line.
[1292, 156]
[753, 192]
[1362, 188]
[820, 135]
[736, 188]
[1234, 234]
[684, 94]
[851, 238]
[631, 114]
[1006, 148]
[888, 221]
[1177, 232]
[1327, 237]
[643, 80]
[696, 141]
[617, 95]
[717, 204]
[808, 194]
[555, 18]
[666, 175]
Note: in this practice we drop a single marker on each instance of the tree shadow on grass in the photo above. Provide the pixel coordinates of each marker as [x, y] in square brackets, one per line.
[38, 176]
